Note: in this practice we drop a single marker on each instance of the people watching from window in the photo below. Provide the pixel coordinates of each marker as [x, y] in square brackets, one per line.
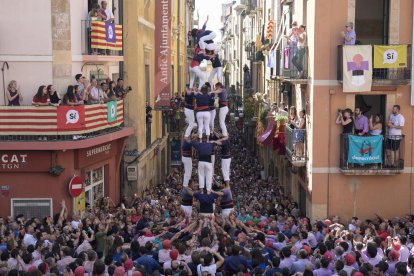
[41, 98]
[120, 90]
[299, 137]
[395, 125]
[53, 95]
[70, 96]
[345, 119]
[349, 34]
[361, 123]
[375, 124]
[14, 96]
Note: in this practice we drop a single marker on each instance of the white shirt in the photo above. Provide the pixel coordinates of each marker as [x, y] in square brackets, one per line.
[397, 120]
[109, 14]
[75, 224]
[28, 239]
[404, 253]
[302, 36]
[95, 93]
[210, 269]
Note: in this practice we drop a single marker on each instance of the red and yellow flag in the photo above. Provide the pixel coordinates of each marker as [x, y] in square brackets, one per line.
[103, 37]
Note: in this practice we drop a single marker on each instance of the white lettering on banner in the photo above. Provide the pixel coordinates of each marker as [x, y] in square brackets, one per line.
[164, 44]
[12, 161]
[104, 148]
[368, 158]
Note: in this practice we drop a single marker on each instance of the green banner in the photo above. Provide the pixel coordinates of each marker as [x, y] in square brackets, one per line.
[112, 111]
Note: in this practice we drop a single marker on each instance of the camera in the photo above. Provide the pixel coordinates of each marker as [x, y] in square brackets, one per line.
[339, 110]
[129, 88]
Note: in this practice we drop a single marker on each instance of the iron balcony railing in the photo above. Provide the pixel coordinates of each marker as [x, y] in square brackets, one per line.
[391, 155]
[295, 144]
[381, 76]
[295, 62]
[98, 39]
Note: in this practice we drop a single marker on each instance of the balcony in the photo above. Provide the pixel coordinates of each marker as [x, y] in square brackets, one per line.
[294, 65]
[389, 159]
[382, 76]
[62, 123]
[296, 146]
[101, 41]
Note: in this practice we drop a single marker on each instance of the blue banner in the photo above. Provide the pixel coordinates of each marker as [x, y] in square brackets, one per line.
[365, 149]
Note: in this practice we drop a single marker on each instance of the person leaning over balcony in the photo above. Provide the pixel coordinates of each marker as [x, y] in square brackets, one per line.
[41, 98]
[70, 97]
[81, 83]
[103, 97]
[53, 95]
[345, 119]
[293, 117]
[375, 124]
[361, 123]
[297, 59]
[395, 124]
[349, 34]
[13, 94]
[111, 91]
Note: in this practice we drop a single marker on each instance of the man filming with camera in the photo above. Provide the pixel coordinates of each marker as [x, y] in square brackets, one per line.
[120, 91]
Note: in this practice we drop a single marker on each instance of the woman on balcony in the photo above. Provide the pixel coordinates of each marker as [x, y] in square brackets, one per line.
[299, 134]
[345, 119]
[375, 124]
[53, 95]
[13, 94]
[41, 98]
[70, 96]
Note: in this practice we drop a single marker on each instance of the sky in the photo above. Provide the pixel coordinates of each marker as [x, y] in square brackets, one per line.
[213, 9]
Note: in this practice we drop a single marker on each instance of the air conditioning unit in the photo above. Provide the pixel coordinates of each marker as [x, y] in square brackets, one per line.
[132, 173]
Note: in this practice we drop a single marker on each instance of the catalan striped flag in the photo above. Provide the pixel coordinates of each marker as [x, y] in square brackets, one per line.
[106, 35]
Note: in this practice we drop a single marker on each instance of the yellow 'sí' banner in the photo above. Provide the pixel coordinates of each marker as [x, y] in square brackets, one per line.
[390, 56]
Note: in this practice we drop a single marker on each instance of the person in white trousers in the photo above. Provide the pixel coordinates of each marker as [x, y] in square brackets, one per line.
[203, 112]
[195, 70]
[189, 111]
[205, 167]
[225, 157]
[187, 159]
[217, 70]
[223, 107]
[187, 199]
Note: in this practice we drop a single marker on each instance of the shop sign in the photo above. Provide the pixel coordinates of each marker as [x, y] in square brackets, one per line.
[25, 161]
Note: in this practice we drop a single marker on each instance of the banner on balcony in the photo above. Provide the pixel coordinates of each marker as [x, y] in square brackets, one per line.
[266, 138]
[112, 111]
[357, 71]
[162, 86]
[106, 35]
[365, 149]
[390, 56]
[71, 117]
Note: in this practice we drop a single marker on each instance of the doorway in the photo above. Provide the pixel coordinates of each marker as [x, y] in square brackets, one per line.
[371, 21]
[372, 105]
[94, 186]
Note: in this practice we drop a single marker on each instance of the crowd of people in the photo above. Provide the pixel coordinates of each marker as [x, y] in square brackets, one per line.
[81, 92]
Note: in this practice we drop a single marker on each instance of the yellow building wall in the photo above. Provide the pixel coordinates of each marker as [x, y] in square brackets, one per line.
[139, 51]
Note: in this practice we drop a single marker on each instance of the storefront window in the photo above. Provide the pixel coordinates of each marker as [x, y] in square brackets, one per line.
[94, 186]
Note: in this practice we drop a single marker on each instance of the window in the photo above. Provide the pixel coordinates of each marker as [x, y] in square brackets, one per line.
[94, 186]
[371, 21]
[31, 207]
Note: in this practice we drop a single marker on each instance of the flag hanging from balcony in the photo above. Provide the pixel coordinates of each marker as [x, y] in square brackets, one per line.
[365, 149]
[266, 138]
[71, 117]
[112, 111]
[357, 68]
[390, 56]
[106, 35]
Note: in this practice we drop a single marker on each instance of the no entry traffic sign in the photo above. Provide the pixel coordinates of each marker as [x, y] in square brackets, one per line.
[76, 186]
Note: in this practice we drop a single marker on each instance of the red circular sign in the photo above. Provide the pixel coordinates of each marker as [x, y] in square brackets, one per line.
[76, 186]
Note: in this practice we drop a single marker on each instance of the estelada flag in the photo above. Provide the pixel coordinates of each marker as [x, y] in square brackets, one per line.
[106, 35]
[71, 117]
